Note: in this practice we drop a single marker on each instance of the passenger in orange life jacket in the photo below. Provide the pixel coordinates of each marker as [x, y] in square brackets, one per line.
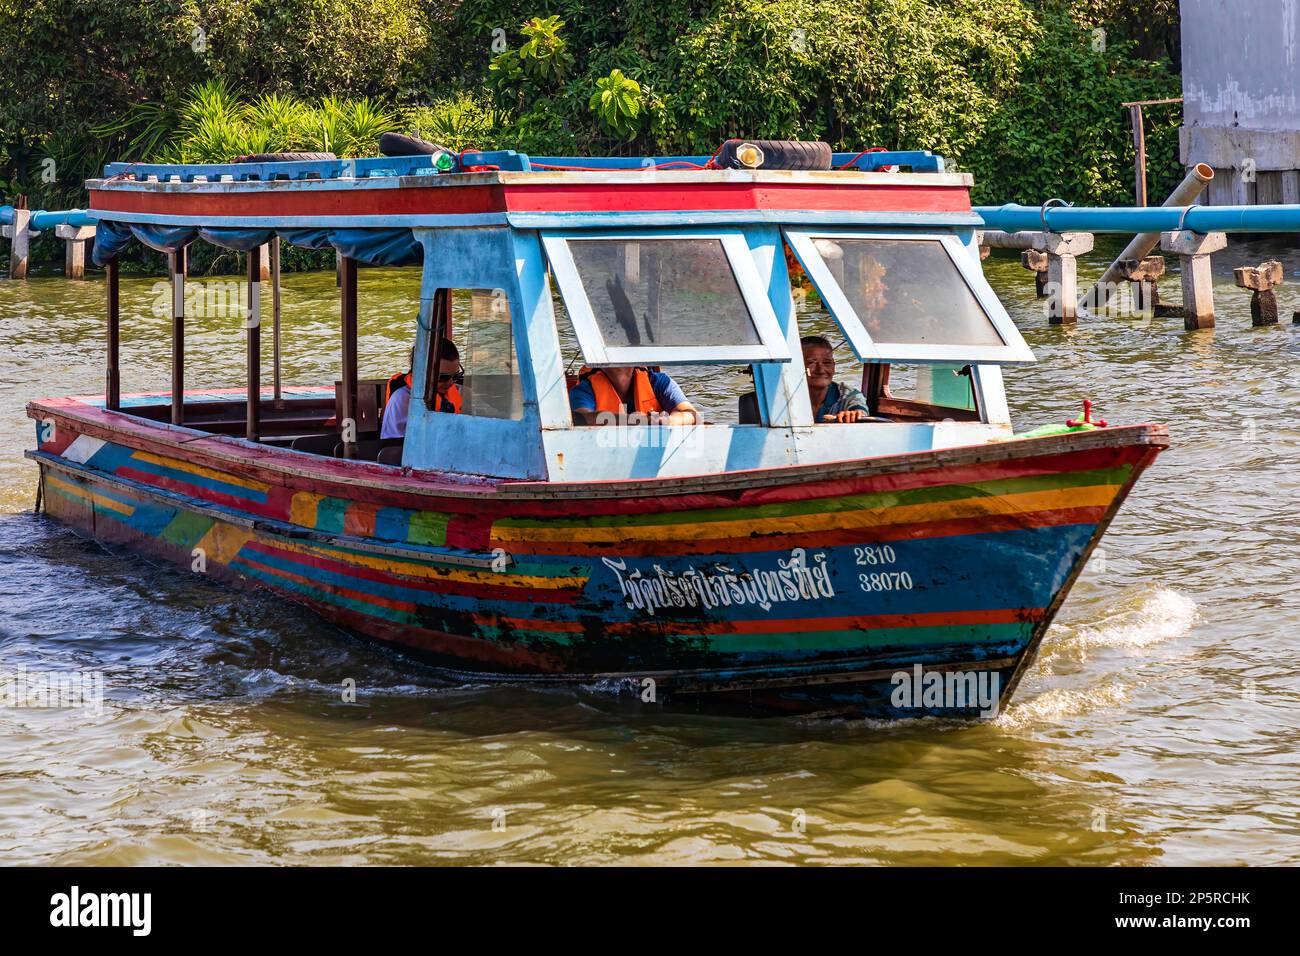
[605, 395]
[397, 398]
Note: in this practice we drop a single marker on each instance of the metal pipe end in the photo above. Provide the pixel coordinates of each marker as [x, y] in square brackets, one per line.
[1203, 172]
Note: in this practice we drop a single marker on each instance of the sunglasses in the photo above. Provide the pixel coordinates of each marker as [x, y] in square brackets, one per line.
[457, 377]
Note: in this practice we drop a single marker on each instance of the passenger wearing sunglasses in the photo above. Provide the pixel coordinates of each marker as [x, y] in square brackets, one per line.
[397, 402]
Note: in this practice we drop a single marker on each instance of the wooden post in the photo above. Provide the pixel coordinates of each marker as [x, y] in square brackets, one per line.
[1063, 250]
[264, 257]
[253, 398]
[1260, 280]
[1139, 155]
[1193, 250]
[348, 403]
[176, 269]
[75, 239]
[275, 316]
[113, 378]
[19, 234]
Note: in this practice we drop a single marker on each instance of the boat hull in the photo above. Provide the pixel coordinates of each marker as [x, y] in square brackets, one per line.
[804, 589]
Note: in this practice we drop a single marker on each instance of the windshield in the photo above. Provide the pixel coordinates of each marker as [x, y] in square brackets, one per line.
[663, 292]
[907, 292]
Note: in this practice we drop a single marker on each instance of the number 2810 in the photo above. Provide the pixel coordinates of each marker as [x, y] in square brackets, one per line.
[875, 554]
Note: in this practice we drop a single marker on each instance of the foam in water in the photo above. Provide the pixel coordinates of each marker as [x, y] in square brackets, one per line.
[1059, 703]
[1157, 616]
[1136, 623]
[1139, 622]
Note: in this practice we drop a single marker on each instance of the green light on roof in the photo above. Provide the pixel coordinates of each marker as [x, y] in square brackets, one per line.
[445, 162]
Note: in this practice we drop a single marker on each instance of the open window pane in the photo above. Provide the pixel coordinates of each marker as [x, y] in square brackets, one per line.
[942, 386]
[663, 293]
[907, 292]
[487, 382]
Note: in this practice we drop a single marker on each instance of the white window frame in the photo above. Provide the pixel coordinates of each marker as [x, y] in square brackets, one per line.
[1013, 351]
[772, 346]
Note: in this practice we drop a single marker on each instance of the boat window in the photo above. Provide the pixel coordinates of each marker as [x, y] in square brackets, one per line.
[665, 299]
[924, 392]
[909, 297]
[712, 389]
[487, 383]
[906, 290]
[663, 292]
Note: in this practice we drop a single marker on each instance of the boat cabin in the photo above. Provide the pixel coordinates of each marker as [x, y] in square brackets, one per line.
[539, 269]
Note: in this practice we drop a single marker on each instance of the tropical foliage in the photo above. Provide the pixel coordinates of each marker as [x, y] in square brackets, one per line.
[617, 101]
[1025, 94]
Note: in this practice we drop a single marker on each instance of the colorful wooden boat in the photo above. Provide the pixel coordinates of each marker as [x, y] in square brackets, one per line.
[776, 566]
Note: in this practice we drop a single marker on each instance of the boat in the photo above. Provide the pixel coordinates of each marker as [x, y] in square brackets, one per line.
[904, 565]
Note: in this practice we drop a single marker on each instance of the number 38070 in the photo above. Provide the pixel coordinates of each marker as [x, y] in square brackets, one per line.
[886, 581]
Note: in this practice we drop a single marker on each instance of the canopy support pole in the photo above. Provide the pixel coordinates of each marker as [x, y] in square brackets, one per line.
[275, 312]
[253, 423]
[176, 266]
[113, 376]
[348, 402]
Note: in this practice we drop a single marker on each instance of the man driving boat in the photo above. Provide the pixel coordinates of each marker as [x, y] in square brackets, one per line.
[632, 394]
[831, 401]
[397, 396]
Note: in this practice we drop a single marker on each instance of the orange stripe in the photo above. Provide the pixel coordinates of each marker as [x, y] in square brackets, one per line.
[359, 519]
[987, 524]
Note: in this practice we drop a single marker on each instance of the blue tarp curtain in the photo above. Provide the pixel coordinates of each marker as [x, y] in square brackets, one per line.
[380, 247]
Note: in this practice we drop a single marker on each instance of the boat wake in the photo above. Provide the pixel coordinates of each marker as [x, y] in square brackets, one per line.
[1060, 703]
[1134, 625]
[1138, 622]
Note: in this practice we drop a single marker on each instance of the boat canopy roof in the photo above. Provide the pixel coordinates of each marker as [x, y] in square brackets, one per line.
[366, 209]
[376, 246]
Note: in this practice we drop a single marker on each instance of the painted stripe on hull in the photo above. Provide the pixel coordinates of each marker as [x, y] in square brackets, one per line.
[790, 637]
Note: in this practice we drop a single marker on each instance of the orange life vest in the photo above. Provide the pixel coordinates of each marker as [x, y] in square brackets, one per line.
[452, 398]
[403, 380]
[400, 380]
[607, 398]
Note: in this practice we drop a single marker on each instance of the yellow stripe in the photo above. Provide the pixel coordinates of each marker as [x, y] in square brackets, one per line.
[222, 542]
[410, 569]
[202, 472]
[87, 492]
[302, 510]
[976, 507]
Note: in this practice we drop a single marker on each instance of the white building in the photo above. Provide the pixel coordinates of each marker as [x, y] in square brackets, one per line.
[1241, 97]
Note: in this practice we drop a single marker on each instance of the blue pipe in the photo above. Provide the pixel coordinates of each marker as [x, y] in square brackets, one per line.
[6, 215]
[42, 220]
[1134, 219]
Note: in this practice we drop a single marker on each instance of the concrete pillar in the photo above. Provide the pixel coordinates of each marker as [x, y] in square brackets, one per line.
[74, 239]
[1193, 250]
[1036, 262]
[1063, 250]
[1143, 274]
[19, 235]
[1260, 280]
